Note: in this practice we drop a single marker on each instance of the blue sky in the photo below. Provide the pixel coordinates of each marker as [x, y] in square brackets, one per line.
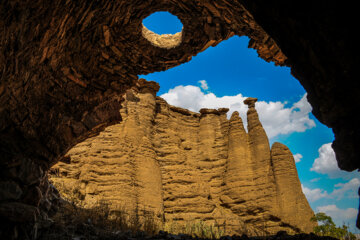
[224, 75]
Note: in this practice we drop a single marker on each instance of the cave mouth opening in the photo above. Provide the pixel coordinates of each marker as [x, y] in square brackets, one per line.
[162, 29]
[89, 194]
[129, 167]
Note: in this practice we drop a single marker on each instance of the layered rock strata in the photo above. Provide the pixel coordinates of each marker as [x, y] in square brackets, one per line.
[183, 166]
[65, 64]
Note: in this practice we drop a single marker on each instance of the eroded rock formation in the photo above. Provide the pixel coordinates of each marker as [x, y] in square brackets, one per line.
[185, 166]
[65, 64]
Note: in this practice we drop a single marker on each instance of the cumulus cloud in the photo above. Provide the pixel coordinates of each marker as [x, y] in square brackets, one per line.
[189, 97]
[275, 116]
[326, 164]
[341, 191]
[298, 157]
[346, 190]
[313, 195]
[339, 215]
[204, 85]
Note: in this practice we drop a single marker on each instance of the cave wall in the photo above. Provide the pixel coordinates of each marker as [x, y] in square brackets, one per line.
[187, 166]
[66, 64]
[317, 42]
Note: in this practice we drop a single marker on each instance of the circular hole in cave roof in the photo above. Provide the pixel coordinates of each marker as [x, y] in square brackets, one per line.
[168, 34]
[170, 24]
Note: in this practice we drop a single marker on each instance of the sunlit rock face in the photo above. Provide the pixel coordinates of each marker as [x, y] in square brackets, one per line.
[66, 65]
[185, 166]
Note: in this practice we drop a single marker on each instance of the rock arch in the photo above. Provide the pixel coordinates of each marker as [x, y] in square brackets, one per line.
[65, 65]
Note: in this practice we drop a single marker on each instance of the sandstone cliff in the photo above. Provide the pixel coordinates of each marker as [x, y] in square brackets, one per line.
[183, 166]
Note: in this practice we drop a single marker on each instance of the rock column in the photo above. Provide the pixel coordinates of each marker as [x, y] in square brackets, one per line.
[239, 170]
[148, 176]
[260, 155]
[294, 208]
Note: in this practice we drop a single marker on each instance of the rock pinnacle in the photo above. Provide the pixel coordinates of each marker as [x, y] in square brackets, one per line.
[250, 102]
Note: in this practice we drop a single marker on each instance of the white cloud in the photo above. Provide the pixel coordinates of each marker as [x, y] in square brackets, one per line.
[204, 85]
[340, 216]
[315, 180]
[341, 191]
[298, 157]
[346, 190]
[275, 117]
[326, 164]
[189, 97]
[313, 195]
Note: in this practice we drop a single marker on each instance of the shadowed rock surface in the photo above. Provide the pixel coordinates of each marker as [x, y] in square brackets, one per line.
[64, 66]
[185, 166]
[91, 233]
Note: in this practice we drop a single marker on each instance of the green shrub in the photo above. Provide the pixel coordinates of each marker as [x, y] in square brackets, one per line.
[327, 227]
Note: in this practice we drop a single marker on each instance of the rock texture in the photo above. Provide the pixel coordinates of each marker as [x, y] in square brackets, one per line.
[288, 185]
[66, 64]
[184, 166]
